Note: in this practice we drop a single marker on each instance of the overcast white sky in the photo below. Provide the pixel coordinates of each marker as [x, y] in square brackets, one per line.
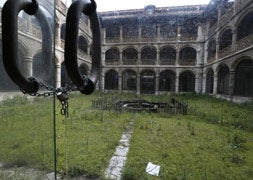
[110, 5]
[107, 5]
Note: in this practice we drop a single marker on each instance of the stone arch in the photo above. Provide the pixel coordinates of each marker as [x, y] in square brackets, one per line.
[223, 79]
[147, 83]
[187, 56]
[129, 80]
[225, 39]
[245, 26]
[111, 80]
[167, 80]
[112, 54]
[243, 84]
[148, 55]
[187, 81]
[129, 55]
[238, 60]
[167, 55]
[209, 81]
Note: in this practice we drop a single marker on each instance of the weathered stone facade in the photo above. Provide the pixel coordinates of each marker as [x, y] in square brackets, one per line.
[198, 49]
[202, 49]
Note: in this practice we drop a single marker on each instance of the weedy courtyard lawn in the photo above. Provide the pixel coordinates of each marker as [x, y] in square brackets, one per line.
[213, 141]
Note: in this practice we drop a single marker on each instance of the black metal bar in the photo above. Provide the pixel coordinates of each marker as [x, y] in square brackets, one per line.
[88, 7]
[47, 40]
[10, 41]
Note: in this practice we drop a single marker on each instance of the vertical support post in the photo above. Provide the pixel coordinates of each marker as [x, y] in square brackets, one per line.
[27, 66]
[138, 84]
[231, 82]
[177, 83]
[58, 75]
[215, 83]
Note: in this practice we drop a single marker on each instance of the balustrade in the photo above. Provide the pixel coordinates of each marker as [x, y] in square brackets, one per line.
[224, 52]
[244, 43]
[129, 61]
[167, 62]
[187, 62]
[112, 39]
[130, 39]
[112, 62]
[211, 58]
[188, 38]
[148, 62]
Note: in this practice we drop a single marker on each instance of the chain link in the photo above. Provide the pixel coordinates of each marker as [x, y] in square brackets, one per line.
[61, 93]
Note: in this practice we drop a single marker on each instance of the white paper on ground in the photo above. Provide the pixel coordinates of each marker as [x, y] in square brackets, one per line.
[153, 169]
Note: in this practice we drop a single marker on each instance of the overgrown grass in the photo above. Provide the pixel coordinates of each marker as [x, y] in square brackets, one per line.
[188, 149]
[214, 141]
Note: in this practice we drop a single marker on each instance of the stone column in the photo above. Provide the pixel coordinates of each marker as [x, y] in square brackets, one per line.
[120, 34]
[217, 49]
[177, 56]
[198, 82]
[139, 57]
[206, 53]
[219, 13]
[231, 82]
[215, 83]
[138, 84]
[177, 83]
[120, 58]
[157, 84]
[204, 84]
[103, 35]
[57, 34]
[139, 35]
[102, 83]
[158, 32]
[200, 33]
[234, 40]
[120, 83]
[157, 57]
[27, 66]
[57, 75]
[102, 58]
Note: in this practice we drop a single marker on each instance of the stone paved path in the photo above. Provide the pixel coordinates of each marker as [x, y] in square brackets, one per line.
[117, 162]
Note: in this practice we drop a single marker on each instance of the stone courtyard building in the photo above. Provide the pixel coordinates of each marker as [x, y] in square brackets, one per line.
[154, 50]
[202, 49]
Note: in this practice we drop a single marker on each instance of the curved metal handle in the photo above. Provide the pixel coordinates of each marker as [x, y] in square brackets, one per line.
[88, 7]
[10, 40]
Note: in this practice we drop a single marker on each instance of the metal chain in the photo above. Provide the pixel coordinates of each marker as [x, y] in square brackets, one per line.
[61, 93]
